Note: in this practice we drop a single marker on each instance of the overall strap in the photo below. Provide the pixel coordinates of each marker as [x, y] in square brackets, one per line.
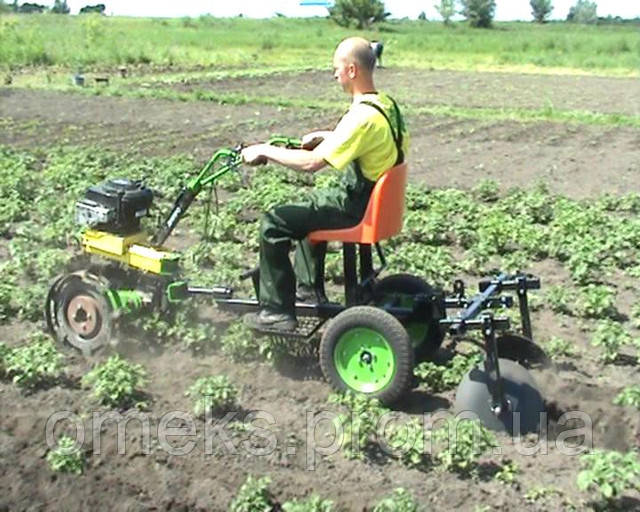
[396, 134]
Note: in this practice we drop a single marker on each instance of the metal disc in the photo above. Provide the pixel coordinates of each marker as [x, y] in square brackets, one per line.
[83, 315]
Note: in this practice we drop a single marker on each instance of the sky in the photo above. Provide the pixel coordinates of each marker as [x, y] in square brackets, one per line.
[505, 9]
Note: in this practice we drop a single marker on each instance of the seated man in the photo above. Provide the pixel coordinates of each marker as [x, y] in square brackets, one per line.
[369, 139]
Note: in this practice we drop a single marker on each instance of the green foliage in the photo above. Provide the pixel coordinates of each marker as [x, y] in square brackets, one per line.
[239, 343]
[583, 12]
[560, 299]
[33, 364]
[557, 348]
[66, 457]
[635, 315]
[230, 44]
[253, 496]
[446, 9]
[117, 382]
[60, 7]
[466, 441]
[611, 336]
[609, 473]
[441, 378]
[479, 13]
[486, 190]
[362, 13]
[540, 10]
[629, 397]
[311, 504]
[399, 501]
[214, 393]
[408, 444]
[596, 301]
[184, 327]
[508, 473]
[359, 425]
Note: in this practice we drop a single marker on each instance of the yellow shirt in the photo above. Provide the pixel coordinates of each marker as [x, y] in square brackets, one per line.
[364, 134]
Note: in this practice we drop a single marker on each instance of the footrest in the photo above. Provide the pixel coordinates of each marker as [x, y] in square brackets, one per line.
[307, 327]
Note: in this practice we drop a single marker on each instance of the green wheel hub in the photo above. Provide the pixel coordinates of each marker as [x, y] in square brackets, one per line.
[364, 360]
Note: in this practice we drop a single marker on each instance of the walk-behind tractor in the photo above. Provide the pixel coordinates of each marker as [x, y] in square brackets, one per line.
[369, 344]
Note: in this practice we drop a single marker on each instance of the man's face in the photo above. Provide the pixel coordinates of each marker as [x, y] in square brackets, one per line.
[343, 72]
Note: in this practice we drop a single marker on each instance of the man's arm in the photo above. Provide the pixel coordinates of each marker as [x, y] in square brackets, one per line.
[298, 159]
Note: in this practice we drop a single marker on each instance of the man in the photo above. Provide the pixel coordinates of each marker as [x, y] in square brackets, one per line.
[369, 139]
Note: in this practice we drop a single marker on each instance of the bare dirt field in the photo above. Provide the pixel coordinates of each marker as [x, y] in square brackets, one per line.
[576, 160]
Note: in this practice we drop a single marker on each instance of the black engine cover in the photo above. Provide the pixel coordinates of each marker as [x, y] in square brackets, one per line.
[128, 201]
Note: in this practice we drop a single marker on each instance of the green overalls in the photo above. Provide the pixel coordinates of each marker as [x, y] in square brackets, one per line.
[333, 208]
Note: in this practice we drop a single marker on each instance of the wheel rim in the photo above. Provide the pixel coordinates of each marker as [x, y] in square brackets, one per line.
[416, 330]
[83, 316]
[364, 360]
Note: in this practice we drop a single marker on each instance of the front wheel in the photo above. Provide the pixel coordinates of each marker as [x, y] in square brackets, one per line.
[366, 350]
[77, 312]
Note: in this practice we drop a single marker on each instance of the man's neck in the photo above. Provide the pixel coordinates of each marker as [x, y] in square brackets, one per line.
[363, 88]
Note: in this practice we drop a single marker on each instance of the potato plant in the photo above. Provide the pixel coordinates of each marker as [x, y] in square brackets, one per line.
[445, 377]
[33, 364]
[253, 496]
[609, 473]
[466, 441]
[398, 501]
[359, 425]
[117, 382]
[66, 457]
[214, 393]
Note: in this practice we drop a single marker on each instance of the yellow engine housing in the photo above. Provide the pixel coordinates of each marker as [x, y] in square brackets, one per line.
[130, 250]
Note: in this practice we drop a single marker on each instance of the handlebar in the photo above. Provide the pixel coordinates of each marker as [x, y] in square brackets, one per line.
[226, 159]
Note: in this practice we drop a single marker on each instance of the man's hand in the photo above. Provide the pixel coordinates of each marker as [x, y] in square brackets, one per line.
[254, 155]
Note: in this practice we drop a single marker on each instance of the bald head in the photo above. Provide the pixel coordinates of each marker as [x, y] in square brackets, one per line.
[357, 50]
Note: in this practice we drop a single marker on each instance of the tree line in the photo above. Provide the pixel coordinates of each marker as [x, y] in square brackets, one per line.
[478, 13]
[59, 7]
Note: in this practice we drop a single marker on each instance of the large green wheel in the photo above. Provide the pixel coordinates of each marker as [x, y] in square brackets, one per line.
[366, 350]
[423, 327]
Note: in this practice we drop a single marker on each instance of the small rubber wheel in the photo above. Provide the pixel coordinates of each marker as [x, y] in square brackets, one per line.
[423, 327]
[78, 313]
[525, 404]
[367, 350]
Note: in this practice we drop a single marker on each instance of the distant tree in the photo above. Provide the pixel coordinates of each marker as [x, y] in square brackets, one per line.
[583, 12]
[60, 7]
[446, 9]
[540, 10]
[30, 8]
[479, 13]
[362, 13]
[99, 8]
[422, 16]
[4, 8]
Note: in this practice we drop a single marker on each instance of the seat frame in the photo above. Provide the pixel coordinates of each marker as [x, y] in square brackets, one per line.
[370, 230]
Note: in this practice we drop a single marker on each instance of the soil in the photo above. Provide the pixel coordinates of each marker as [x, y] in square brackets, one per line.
[571, 159]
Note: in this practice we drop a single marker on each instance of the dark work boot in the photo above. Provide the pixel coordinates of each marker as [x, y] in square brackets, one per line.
[267, 320]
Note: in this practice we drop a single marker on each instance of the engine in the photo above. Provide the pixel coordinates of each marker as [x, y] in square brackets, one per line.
[115, 206]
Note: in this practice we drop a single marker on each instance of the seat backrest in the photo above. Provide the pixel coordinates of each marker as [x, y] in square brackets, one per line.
[383, 217]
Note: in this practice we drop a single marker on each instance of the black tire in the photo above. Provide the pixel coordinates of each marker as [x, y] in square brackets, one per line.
[359, 320]
[61, 297]
[425, 333]
[520, 390]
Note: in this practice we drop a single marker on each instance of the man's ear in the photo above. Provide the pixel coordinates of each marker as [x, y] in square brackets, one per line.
[352, 71]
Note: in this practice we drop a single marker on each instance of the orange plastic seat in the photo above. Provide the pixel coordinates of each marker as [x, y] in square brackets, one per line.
[383, 216]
